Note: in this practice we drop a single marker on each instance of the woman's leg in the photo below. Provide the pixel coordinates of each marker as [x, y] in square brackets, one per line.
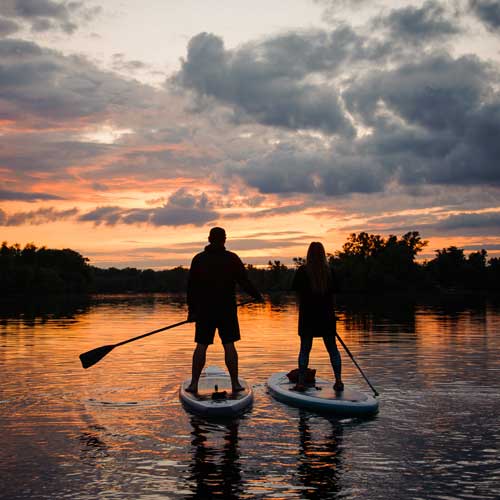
[305, 349]
[335, 360]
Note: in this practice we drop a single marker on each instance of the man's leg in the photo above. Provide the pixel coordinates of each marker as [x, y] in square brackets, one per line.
[199, 358]
[231, 359]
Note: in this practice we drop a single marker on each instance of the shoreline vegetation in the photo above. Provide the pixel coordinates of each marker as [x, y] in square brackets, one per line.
[367, 263]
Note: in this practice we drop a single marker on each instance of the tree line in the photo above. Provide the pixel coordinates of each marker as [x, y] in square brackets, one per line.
[366, 263]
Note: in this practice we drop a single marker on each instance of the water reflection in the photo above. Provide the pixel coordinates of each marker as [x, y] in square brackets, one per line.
[319, 465]
[118, 429]
[38, 310]
[93, 448]
[215, 470]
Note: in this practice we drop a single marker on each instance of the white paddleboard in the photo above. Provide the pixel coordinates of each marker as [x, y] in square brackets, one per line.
[321, 397]
[208, 404]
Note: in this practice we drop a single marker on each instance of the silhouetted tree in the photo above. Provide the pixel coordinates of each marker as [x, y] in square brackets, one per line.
[367, 262]
[371, 262]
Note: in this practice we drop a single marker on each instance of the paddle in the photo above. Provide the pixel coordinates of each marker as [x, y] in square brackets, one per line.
[357, 366]
[93, 356]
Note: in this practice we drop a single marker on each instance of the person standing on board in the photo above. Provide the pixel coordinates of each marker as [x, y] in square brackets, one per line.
[315, 286]
[212, 303]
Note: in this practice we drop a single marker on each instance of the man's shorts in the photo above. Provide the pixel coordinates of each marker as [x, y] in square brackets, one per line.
[227, 325]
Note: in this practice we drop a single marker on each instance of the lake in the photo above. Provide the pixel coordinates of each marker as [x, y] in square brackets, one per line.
[117, 430]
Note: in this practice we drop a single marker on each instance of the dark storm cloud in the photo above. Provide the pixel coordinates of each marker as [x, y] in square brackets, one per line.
[7, 27]
[22, 196]
[435, 121]
[465, 224]
[36, 217]
[431, 118]
[42, 84]
[45, 15]
[436, 92]
[289, 169]
[420, 24]
[264, 82]
[182, 208]
[488, 11]
[486, 220]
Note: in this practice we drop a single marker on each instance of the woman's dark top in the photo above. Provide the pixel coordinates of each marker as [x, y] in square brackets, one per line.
[316, 312]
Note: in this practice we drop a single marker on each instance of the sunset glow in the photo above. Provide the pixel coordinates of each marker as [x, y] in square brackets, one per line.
[126, 133]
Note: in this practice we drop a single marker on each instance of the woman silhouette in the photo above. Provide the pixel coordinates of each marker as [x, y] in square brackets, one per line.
[315, 285]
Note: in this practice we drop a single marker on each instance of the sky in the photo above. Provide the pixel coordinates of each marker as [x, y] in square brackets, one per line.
[126, 131]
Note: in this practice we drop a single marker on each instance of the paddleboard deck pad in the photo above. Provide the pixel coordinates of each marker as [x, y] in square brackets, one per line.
[215, 397]
[321, 397]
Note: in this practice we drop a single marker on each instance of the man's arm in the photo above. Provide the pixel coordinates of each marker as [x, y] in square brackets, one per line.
[192, 290]
[244, 282]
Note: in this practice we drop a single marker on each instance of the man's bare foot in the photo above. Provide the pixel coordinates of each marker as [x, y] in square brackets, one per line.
[192, 389]
[238, 388]
[338, 386]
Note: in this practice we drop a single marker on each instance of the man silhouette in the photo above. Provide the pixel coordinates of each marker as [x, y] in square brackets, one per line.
[212, 303]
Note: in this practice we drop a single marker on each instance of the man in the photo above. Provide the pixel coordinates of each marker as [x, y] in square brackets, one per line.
[212, 303]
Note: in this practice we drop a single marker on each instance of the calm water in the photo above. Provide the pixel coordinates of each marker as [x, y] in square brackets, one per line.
[117, 430]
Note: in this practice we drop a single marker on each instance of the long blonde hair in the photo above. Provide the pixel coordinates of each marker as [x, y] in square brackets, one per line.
[317, 267]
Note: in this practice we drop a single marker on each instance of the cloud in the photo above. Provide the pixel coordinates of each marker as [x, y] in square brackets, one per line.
[492, 247]
[266, 82]
[36, 217]
[45, 15]
[488, 11]
[47, 89]
[182, 208]
[7, 27]
[486, 220]
[419, 25]
[435, 224]
[234, 244]
[431, 119]
[120, 63]
[436, 92]
[292, 169]
[32, 153]
[21, 196]
[434, 120]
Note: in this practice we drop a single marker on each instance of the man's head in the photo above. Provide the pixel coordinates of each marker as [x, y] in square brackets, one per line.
[217, 236]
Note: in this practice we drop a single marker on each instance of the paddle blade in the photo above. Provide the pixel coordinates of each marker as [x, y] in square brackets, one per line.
[92, 357]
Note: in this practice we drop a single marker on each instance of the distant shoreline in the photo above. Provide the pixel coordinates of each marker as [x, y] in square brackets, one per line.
[368, 264]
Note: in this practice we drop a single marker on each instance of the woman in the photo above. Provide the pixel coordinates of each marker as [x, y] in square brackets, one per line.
[315, 285]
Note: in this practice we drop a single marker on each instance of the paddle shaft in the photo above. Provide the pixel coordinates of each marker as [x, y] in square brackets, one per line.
[152, 333]
[357, 366]
[169, 327]
[93, 356]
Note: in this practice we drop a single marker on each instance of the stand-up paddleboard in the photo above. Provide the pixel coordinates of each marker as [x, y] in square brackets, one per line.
[321, 397]
[215, 397]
